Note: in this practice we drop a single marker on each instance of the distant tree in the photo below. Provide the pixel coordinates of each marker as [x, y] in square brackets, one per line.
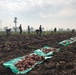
[51, 29]
[5, 28]
[14, 28]
[43, 28]
[68, 29]
[61, 29]
[31, 29]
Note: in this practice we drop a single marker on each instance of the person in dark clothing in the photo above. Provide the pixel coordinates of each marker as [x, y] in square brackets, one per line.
[28, 29]
[55, 30]
[37, 31]
[8, 31]
[73, 30]
[20, 28]
[40, 28]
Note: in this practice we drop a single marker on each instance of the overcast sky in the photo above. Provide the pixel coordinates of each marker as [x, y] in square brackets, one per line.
[48, 13]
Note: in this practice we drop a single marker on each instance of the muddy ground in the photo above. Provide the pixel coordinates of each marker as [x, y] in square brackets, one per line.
[62, 62]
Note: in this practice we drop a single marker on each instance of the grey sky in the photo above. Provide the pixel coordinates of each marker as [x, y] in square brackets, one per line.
[48, 13]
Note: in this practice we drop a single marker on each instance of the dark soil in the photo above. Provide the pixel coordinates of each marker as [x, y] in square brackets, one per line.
[62, 62]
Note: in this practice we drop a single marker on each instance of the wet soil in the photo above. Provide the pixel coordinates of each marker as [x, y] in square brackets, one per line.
[62, 62]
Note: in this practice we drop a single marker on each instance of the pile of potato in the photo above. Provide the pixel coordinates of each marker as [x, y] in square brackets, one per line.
[45, 50]
[28, 62]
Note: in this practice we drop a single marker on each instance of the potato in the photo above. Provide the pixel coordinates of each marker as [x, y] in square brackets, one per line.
[28, 62]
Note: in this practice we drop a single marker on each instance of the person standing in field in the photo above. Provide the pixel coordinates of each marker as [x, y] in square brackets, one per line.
[55, 30]
[73, 30]
[28, 29]
[40, 28]
[20, 28]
